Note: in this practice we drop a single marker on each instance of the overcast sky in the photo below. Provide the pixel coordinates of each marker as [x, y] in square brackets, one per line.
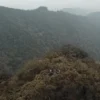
[52, 4]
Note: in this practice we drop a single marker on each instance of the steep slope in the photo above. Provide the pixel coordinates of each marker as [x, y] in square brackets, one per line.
[67, 74]
[28, 34]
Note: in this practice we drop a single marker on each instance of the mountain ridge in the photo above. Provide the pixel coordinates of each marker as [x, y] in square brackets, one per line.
[25, 34]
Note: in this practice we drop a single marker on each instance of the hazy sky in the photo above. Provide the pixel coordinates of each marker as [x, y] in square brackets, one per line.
[52, 4]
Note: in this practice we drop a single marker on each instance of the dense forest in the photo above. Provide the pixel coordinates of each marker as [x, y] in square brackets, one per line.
[49, 55]
[65, 74]
[28, 34]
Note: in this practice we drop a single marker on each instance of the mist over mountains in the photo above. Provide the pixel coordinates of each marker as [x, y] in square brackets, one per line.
[27, 34]
[77, 11]
[49, 55]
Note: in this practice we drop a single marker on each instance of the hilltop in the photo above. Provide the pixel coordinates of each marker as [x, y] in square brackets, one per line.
[66, 74]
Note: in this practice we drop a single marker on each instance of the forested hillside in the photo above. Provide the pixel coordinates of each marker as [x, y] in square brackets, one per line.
[27, 34]
[95, 18]
[65, 74]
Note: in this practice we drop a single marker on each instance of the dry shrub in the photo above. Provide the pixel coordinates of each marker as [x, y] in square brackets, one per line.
[56, 78]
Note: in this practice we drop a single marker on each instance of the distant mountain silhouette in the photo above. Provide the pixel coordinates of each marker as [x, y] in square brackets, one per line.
[76, 11]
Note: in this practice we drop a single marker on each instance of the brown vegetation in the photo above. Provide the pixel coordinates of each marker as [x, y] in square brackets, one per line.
[70, 75]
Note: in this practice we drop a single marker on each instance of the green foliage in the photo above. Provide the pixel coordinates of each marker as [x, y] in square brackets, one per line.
[32, 33]
[65, 75]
